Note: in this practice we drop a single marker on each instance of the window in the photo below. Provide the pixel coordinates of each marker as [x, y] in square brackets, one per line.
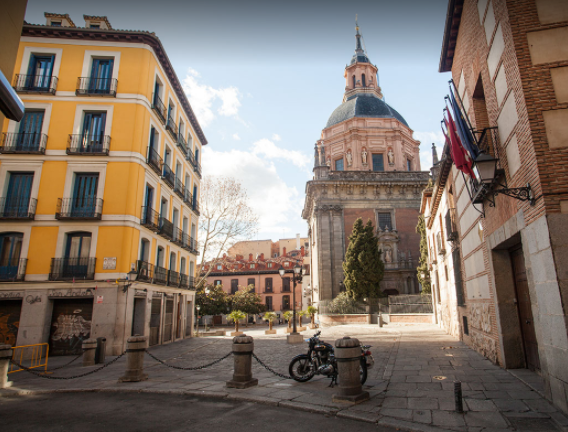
[18, 195]
[56, 23]
[40, 70]
[269, 265]
[286, 284]
[144, 250]
[78, 245]
[84, 201]
[354, 81]
[408, 165]
[196, 156]
[285, 302]
[219, 267]
[385, 221]
[182, 266]
[363, 80]
[250, 282]
[268, 285]
[286, 264]
[339, 165]
[160, 257]
[172, 261]
[92, 135]
[101, 75]
[252, 266]
[29, 134]
[269, 303]
[218, 282]
[234, 286]
[378, 162]
[164, 208]
[10, 248]
[95, 26]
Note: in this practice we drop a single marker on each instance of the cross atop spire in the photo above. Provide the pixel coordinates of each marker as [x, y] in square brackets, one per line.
[358, 47]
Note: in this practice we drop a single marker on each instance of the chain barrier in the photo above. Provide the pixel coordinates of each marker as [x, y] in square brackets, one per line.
[188, 368]
[41, 375]
[269, 369]
[65, 365]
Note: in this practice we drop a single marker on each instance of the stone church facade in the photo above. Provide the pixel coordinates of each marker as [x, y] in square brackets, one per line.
[366, 165]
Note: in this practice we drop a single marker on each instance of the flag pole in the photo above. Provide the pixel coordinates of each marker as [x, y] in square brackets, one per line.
[457, 93]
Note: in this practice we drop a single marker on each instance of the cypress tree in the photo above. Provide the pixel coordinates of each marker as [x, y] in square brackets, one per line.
[422, 268]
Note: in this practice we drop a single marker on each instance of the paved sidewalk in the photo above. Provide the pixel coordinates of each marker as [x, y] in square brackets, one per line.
[411, 385]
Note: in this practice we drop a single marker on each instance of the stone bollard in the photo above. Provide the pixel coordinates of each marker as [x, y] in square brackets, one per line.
[89, 346]
[135, 347]
[243, 347]
[5, 356]
[369, 314]
[348, 356]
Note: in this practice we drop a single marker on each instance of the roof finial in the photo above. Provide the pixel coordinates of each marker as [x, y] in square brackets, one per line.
[358, 48]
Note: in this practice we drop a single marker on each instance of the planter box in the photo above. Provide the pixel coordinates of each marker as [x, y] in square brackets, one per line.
[303, 328]
[237, 333]
[270, 331]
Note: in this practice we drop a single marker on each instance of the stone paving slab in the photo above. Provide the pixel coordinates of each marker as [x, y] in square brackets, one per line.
[411, 385]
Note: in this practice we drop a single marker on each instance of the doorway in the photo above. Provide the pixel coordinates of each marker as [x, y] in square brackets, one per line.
[70, 326]
[155, 318]
[524, 309]
[138, 316]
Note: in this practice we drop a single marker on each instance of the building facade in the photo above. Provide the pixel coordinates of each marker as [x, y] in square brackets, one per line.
[366, 165]
[100, 185]
[509, 63]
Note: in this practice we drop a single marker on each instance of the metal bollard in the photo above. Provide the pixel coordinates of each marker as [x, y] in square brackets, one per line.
[135, 348]
[348, 356]
[243, 347]
[5, 356]
[89, 347]
[458, 396]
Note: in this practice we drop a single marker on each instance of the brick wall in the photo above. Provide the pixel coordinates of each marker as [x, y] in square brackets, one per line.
[351, 215]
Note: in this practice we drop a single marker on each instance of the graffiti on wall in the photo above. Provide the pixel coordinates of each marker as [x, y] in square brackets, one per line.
[9, 324]
[71, 326]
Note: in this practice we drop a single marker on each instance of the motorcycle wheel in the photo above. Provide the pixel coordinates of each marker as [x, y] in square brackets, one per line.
[301, 368]
[363, 371]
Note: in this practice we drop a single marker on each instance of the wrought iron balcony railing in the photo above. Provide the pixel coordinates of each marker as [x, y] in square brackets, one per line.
[187, 282]
[33, 143]
[179, 188]
[35, 84]
[160, 275]
[188, 197]
[193, 246]
[145, 271]
[189, 157]
[86, 144]
[182, 144]
[96, 86]
[13, 270]
[172, 127]
[168, 175]
[166, 228]
[72, 268]
[79, 208]
[150, 218]
[159, 108]
[185, 241]
[18, 208]
[173, 278]
[197, 168]
[195, 206]
[177, 236]
[451, 225]
[155, 161]
[150, 273]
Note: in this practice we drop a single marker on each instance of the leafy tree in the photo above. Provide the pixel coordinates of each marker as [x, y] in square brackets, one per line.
[422, 270]
[312, 311]
[343, 304]
[212, 299]
[288, 315]
[246, 300]
[363, 267]
[236, 316]
[270, 317]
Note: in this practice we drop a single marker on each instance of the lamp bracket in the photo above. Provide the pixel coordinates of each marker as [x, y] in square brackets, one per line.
[521, 193]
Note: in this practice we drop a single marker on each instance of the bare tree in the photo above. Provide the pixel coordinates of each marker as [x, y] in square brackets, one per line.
[226, 218]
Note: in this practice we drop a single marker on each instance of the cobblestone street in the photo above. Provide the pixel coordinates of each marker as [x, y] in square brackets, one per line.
[411, 384]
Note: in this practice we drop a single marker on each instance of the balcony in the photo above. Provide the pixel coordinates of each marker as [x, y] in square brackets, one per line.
[72, 269]
[159, 108]
[166, 228]
[32, 143]
[155, 161]
[451, 226]
[150, 219]
[195, 206]
[81, 208]
[173, 278]
[88, 145]
[182, 144]
[150, 273]
[179, 188]
[18, 208]
[13, 270]
[168, 175]
[177, 237]
[197, 168]
[185, 241]
[35, 84]
[186, 281]
[172, 128]
[193, 246]
[87, 86]
[189, 158]
[160, 275]
[188, 197]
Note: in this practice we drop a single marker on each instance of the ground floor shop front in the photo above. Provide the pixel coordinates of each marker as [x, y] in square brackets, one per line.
[64, 314]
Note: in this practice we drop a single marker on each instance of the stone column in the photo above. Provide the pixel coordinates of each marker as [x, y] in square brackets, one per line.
[89, 347]
[348, 356]
[5, 356]
[135, 348]
[243, 347]
[369, 314]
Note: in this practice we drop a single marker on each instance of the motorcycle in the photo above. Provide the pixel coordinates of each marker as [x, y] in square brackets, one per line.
[320, 360]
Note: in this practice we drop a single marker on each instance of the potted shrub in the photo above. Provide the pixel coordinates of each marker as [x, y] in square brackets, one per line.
[300, 315]
[312, 311]
[270, 317]
[288, 316]
[236, 316]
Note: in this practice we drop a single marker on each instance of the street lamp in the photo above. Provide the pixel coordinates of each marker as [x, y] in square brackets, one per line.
[296, 277]
[197, 307]
[130, 277]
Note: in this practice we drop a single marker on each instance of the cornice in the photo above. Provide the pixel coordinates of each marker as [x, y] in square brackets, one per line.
[125, 36]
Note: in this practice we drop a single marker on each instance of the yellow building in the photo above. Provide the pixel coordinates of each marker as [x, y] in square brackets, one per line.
[99, 185]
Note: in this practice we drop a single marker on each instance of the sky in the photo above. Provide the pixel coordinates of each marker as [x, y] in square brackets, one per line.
[264, 76]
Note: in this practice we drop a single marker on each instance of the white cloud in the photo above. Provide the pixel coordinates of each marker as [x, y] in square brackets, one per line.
[202, 98]
[276, 137]
[269, 150]
[427, 139]
[236, 137]
[272, 199]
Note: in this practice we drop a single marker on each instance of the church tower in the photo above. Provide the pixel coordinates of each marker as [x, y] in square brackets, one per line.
[366, 164]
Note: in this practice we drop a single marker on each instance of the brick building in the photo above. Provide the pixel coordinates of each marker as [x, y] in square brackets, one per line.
[366, 165]
[509, 62]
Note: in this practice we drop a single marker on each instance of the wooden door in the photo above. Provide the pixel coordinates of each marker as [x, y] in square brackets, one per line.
[70, 326]
[9, 321]
[525, 311]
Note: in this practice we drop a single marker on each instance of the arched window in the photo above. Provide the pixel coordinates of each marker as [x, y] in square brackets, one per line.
[354, 81]
[173, 261]
[363, 80]
[10, 248]
[182, 268]
[160, 257]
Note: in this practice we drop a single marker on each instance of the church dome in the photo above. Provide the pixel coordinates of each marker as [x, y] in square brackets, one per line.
[363, 105]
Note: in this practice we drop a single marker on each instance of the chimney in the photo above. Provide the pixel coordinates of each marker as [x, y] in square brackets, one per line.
[283, 251]
[250, 257]
[297, 241]
[262, 256]
[302, 250]
[239, 257]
